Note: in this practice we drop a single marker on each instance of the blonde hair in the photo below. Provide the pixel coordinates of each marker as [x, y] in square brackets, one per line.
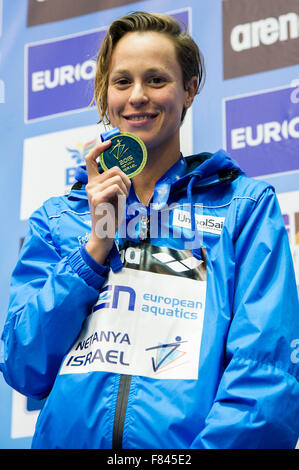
[188, 53]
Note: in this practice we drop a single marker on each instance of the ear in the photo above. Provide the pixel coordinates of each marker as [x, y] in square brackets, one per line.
[191, 89]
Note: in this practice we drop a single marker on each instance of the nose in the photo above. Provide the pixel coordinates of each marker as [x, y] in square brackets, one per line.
[138, 95]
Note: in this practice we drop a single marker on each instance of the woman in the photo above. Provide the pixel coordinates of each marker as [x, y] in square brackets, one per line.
[188, 344]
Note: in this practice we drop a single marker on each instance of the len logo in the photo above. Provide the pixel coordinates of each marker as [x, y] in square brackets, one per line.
[166, 354]
[110, 296]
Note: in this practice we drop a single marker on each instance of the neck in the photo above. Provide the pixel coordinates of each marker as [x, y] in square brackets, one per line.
[158, 162]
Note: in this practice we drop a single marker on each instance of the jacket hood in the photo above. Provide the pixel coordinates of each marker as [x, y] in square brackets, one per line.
[207, 169]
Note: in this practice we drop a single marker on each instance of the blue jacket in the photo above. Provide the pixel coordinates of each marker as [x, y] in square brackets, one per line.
[190, 342]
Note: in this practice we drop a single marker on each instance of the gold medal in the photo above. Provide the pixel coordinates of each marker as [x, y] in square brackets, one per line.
[127, 151]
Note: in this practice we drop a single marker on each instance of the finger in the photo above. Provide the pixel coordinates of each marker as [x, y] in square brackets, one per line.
[114, 171]
[124, 177]
[109, 194]
[90, 159]
[117, 179]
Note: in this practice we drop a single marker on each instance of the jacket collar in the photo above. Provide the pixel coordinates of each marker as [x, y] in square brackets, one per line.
[209, 169]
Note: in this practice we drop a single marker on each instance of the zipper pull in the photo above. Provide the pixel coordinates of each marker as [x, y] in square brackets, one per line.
[144, 226]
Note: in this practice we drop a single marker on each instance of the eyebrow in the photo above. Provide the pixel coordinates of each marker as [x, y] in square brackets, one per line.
[150, 71]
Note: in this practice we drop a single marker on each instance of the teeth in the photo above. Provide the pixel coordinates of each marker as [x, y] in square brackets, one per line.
[138, 118]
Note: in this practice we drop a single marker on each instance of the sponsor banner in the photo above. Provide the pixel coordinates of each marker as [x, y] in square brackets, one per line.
[50, 161]
[46, 11]
[59, 74]
[289, 204]
[148, 325]
[259, 35]
[261, 130]
[2, 84]
[1, 16]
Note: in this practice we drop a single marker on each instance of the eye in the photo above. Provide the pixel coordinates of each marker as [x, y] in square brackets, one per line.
[159, 81]
[122, 82]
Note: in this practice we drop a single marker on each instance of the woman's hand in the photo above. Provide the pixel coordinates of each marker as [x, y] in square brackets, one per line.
[107, 193]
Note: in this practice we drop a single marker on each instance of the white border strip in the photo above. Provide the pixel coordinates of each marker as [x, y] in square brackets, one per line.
[292, 84]
[273, 175]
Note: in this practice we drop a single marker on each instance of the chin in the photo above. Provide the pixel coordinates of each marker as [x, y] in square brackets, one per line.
[143, 135]
[149, 141]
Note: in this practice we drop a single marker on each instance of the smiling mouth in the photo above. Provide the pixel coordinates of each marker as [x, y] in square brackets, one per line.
[140, 117]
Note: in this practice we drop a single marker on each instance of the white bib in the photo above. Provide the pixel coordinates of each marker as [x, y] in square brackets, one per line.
[145, 322]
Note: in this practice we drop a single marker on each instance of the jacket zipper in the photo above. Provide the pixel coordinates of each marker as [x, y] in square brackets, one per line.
[144, 228]
[125, 380]
[120, 411]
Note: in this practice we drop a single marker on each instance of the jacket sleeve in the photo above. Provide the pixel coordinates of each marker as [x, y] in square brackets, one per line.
[257, 401]
[50, 298]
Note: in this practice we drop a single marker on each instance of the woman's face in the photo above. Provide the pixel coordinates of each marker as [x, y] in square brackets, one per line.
[145, 89]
